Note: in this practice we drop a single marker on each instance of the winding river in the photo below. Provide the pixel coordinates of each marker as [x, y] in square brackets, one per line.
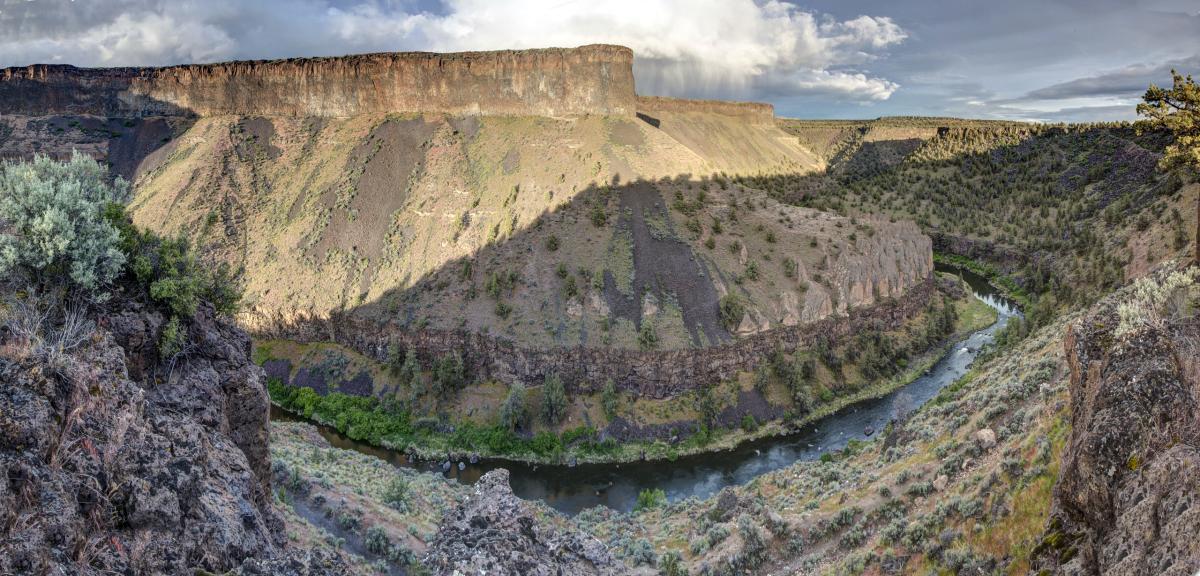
[571, 489]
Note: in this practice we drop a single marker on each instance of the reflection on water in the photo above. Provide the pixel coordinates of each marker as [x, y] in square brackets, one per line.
[571, 489]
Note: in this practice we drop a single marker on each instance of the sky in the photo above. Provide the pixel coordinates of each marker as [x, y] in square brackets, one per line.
[1043, 60]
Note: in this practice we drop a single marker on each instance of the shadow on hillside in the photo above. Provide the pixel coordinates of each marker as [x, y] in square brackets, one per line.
[131, 134]
[658, 264]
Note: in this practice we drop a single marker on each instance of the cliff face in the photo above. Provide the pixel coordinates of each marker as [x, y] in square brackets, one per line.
[1127, 499]
[104, 469]
[652, 374]
[596, 79]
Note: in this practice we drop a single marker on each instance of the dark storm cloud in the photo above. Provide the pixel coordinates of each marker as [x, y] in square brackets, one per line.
[1027, 59]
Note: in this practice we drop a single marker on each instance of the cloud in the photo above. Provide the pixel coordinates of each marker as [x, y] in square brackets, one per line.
[713, 48]
[1127, 81]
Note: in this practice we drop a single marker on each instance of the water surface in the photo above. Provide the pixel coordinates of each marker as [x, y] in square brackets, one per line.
[571, 489]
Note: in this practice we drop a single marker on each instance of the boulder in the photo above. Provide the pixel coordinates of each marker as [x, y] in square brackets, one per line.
[494, 532]
[985, 438]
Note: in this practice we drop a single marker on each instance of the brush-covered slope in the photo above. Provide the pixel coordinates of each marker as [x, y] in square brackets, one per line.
[531, 195]
[544, 230]
[1073, 210]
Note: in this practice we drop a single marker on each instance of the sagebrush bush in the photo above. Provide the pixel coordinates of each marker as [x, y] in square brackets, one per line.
[397, 492]
[52, 226]
[170, 272]
[1154, 301]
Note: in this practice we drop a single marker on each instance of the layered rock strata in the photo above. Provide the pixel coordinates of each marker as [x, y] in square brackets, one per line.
[595, 79]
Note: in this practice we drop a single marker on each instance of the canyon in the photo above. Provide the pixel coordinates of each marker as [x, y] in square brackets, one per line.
[426, 245]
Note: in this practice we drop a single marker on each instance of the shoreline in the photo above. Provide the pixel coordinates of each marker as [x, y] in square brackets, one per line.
[658, 450]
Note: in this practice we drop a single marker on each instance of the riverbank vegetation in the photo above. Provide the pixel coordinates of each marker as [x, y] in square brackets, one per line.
[546, 424]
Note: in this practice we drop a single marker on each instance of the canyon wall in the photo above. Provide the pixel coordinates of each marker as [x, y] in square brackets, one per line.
[595, 79]
[653, 374]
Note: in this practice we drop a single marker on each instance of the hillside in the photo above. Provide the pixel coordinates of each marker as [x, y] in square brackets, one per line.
[331, 197]
[1069, 210]
[374, 212]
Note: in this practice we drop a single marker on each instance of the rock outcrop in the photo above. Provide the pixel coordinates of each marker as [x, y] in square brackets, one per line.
[494, 532]
[653, 374]
[595, 79]
[1127, 499]
[112, 463]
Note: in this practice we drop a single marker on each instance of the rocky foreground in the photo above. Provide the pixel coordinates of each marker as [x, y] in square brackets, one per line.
[1128, 497]
[116, 463]
[494, 532]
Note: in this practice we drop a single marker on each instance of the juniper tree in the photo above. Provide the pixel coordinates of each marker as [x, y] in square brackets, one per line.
[512, 412]
[1177, 110]
[554, 400]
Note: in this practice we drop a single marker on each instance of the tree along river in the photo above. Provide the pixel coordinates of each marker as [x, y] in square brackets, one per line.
[571, 489]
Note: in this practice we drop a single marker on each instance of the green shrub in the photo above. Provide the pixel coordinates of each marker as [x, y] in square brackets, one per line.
[169, 271]
[790, 268]
[449, 373]
[749, 424]
[396, 494]
[609, 399]
[647, 336]
[546, 444]
[410, 371]
[599, 216]
[732, 311]
[395, 358]
[552, 243]
[52, 226]
[650, 498]
[172, 339]
[554, 400]
[670, 563]
[512, 412]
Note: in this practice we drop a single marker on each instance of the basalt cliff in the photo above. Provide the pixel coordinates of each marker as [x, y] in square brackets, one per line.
[594, 79]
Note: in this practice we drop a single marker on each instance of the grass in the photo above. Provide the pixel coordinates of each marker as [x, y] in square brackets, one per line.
[1017, 534]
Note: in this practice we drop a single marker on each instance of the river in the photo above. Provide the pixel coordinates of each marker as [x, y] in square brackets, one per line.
[571, 489]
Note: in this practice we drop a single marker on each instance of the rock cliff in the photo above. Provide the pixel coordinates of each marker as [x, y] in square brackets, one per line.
[596, 79]
[111, 463]
[494, 532]
[1127, 499]
[653, 374]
